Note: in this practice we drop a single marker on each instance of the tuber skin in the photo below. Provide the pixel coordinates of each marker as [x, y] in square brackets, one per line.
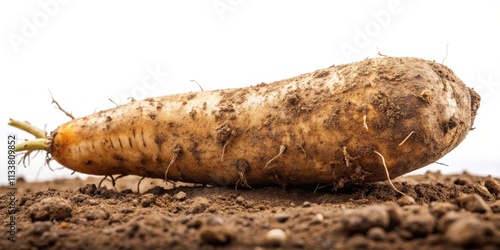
[319, 127]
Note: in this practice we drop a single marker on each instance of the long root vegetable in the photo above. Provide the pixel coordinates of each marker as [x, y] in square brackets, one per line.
[334, 125]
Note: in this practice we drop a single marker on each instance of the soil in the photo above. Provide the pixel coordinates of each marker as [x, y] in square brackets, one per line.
[440, 212]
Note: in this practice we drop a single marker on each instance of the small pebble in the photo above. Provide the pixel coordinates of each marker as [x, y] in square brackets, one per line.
[216, 235]
[473, 203]
[275, 237]
[93, 202]
[240, 199]
[482, 191]
[306, 204]
[460, 181]
[214, 220]
[376, 233]
[493, 186]
[180, 196]
[64, 225]
[360, 220]
[319, 217]
[282, 217]
[406, 200]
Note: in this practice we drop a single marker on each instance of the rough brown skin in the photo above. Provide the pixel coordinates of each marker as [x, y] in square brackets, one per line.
[329, 121]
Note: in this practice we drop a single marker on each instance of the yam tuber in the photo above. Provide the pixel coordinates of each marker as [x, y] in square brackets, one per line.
[326, 126]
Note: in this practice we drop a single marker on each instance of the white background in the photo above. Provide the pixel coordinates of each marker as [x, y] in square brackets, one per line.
[86, 52]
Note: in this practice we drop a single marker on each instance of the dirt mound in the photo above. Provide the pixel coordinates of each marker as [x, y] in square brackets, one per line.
[444, 211]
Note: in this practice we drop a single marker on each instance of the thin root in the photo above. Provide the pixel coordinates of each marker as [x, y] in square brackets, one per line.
[139, 184]
[442, 62]
[303, 150]
[282, 150]
[102, 180]
[318, 187]
[411, 133]
[113, 102]
[387, 173]
[113, 180]
[199, 86]
[177, 152]
[223, 150]
[60, 108]
[442, 164]
[121, 176]
[169, 165]
[26, 156]
[347, 157]
[50, 167]
[48, 158]
[233, 133]
[242, 180]
[242, 166]
[364, 122]
[380, 53]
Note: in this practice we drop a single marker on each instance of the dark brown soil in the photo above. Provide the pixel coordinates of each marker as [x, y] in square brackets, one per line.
[445, 212]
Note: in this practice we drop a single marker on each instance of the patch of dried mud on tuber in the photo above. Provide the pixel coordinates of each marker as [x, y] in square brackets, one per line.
[445, 212]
